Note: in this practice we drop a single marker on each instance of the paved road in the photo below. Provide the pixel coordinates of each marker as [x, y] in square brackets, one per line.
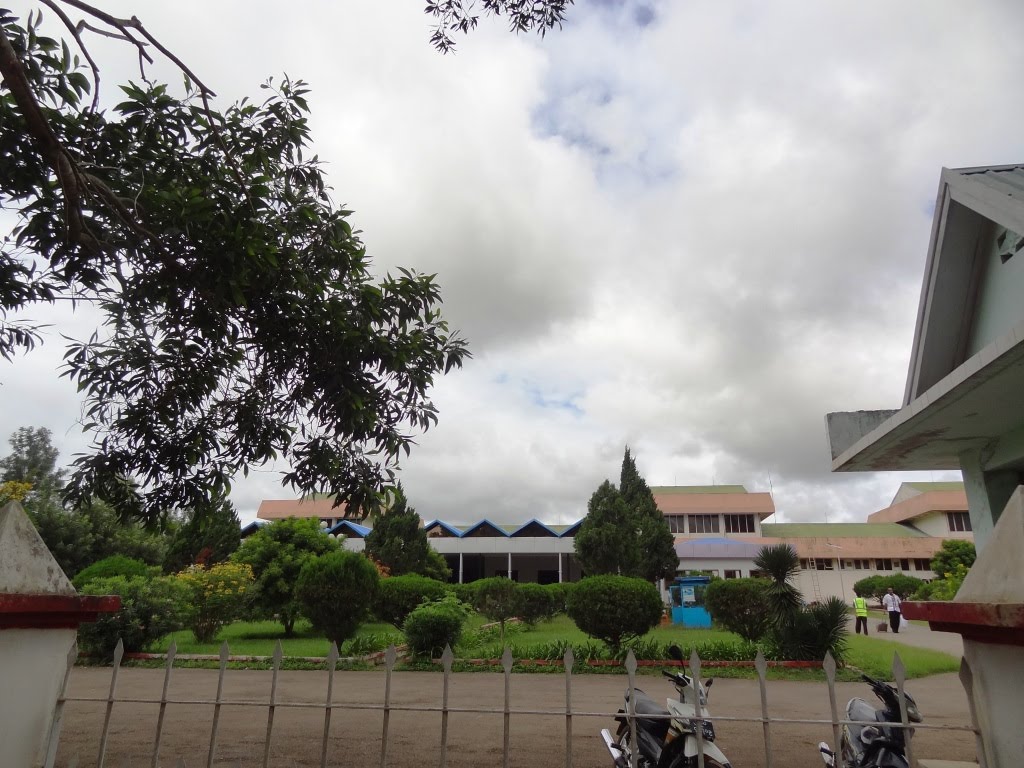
[917, 635]
[475, 739]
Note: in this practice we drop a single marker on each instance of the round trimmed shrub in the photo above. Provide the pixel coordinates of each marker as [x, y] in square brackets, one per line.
[115, 565]
[398, 596]
[741, 606]
[537, 602]
[466, 593]
[150, 610]
[336, 592]
[432, 626]
[498, 598]
[615, 608]
[559, 595]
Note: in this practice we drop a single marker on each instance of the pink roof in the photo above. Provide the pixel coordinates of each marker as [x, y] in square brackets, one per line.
[916, 506]
[760, 504]
[277, 509]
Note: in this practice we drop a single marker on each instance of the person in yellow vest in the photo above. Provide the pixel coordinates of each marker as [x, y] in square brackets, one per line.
[860, 607]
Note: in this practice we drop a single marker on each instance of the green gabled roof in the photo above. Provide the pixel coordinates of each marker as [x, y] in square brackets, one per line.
[667, 490]
[952, 485]
[838, 530]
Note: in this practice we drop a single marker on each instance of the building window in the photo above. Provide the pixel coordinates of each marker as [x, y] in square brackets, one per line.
[703, 523]
[823, 563]
[803, 564]
[883, 564]
[904, 564]
[959, 521]
[921, 564]
[676, 523]
[857, 564]
[739, 523]
[733, 574]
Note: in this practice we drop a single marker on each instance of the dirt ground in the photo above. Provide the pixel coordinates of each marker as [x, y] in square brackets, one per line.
[537, 741]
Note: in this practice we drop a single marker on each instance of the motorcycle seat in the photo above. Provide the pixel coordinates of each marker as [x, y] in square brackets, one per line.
[645, 705]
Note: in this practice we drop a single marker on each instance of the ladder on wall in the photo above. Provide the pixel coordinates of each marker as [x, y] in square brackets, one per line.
[815, 584]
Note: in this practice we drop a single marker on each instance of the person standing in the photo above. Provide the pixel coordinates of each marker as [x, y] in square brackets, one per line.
[860, 607]
[891, 603]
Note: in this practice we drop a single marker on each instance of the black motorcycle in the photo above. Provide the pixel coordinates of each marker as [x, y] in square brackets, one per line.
[875, 746]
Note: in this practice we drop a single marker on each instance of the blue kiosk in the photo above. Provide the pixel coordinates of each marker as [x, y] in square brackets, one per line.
[688, 609]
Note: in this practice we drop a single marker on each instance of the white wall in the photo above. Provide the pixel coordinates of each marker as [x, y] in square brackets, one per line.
[32, 666]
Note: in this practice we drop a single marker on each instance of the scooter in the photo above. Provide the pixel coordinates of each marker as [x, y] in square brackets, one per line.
[875, 746]
[668, 741]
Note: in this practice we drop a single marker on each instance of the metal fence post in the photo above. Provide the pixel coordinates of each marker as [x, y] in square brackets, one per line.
[278, 654]
[967, 680]
[634, 744]
[225, 652]
[762, 681]
[446, 661]
[389, 665]
[171, 651]
[568, 660]
[118, 655]
[332, 663]
[899, 676]
[58, 710]
[829, 665]
[698, 723]
[506, 663]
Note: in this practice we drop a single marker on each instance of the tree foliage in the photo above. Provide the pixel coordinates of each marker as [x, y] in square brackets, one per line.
[398, 596]
[79, 537]
[207, 535]
[624, 532]
[276, 553]
[397, 540]
[657, 558]
[614, 609]
[799, 631]
[781, 564]
[498, 598]
[336, 591]
[952, 553]
[33, 460]
[218, 596]
[606, 540]
[241, 321]
[151, 608]
[115, 565]
[740, 605]
[432, 626]
[876, 586]
[457, 16]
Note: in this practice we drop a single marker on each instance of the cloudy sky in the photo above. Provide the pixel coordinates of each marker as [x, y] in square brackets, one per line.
[689, 227]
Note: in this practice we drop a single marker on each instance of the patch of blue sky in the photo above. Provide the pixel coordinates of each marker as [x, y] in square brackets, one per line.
[650, 165]
[557, 402]
[640, 13]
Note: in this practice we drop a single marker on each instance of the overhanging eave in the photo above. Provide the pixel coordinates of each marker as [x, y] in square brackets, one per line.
[970, 408]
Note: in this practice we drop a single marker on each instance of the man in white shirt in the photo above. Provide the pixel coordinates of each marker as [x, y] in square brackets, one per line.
[891, 603]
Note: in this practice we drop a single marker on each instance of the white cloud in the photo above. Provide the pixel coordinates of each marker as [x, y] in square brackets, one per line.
[696, 235]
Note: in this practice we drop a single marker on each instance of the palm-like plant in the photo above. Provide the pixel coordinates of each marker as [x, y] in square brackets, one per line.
[781, 564]
[799, 631]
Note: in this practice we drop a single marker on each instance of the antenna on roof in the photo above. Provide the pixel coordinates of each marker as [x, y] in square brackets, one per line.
[771, 491]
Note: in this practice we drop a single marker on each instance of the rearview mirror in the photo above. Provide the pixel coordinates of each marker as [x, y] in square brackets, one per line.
[675, 652]
[709, 682]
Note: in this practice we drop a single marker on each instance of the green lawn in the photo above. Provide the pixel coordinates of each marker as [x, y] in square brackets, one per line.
[258, 638]
[871, 655]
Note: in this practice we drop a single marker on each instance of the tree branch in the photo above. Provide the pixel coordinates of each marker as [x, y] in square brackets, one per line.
[78, 39]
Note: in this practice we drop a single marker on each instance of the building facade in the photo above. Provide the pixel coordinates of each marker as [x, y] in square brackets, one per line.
[718, 529]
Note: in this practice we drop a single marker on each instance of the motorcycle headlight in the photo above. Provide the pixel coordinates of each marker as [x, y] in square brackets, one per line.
[869, 733]
[913, 715]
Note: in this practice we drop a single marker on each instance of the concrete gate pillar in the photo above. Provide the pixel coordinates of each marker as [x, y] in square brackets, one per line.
[39, 617]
